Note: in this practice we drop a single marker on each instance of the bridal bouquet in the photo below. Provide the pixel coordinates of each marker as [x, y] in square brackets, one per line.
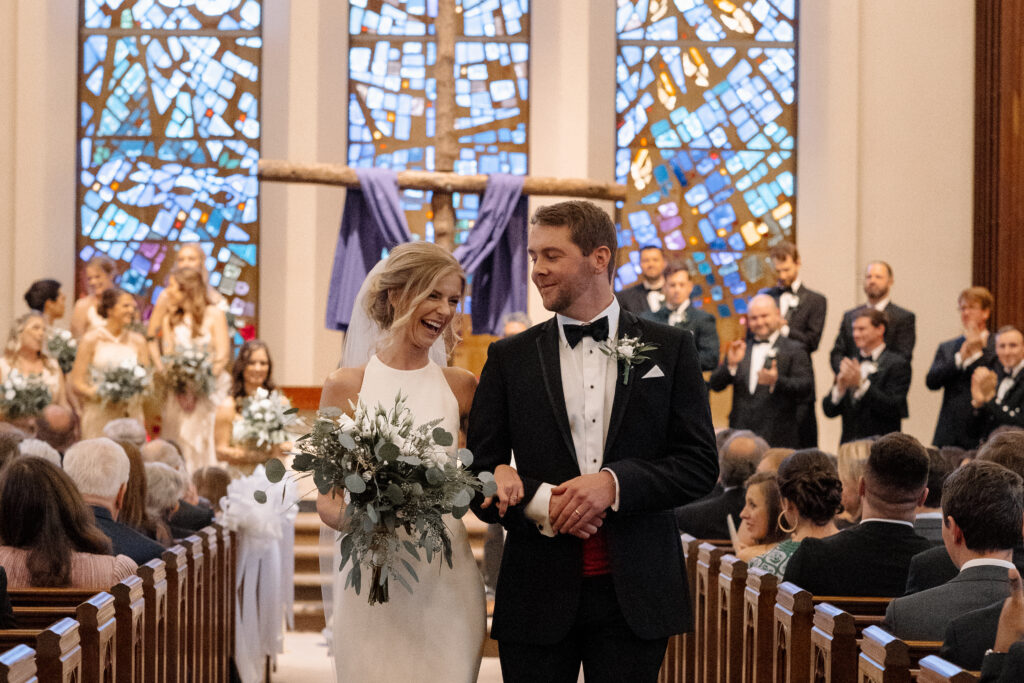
[120, 383]
[396, 477]
[62, 347]
[262, 420]
[23, 396]
[189, 371]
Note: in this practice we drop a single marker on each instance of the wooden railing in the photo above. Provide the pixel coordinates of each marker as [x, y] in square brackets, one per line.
[172, 622]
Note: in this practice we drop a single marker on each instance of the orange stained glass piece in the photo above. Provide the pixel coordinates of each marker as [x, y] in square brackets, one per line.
[693, 240]
[241, 117]
[391, 116]
[114, 185]
[209, 113]
[694, 211]
[241, 206]
[203, 218]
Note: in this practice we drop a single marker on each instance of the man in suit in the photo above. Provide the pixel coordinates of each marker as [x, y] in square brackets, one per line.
[870, 391]
[928, 519]
[646, 296]
[982, 515]
[737, 460]
[99, 468]
[901, 332]
[989, 639]
[606, 447]
[680, 312]
[871, 559]
[955, 363]
[771, 377]
[997, 396]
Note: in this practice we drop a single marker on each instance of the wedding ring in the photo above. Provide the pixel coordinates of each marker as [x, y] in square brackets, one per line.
[576, 512]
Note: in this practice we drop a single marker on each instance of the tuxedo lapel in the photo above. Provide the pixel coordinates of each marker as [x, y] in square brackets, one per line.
[551, 369]
[629, 326]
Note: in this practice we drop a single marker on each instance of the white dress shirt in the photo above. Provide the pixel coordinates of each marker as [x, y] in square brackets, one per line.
[679, 314]
[1007, 383]
[588, 385]
[988, 562]
[655, 300]
[759, 353]
[962, 362]
[867, 368]
[788, 300]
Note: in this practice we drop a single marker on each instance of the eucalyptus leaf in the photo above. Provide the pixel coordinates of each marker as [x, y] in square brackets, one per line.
[462, 498]
[395, 494]
[357, 577]
[411, 549]
[389, 452]
[390, 522]
[489, 488]
[346, 441]
[367, 524]
[291, 411]
[465, 457]
[459, 512]
[429, 552]
[409, 460]
[411, 571]
[355, 484]
[485, 477]
[417, 490]
[322, 482]
[275, 470]
[371, 512]
[329, 411]
[442, 437]
[302, 461]
[402, 581]
[434, 476]
[260, 496]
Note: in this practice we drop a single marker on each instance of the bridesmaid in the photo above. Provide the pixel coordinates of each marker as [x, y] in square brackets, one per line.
[24, 353]
[46, 297]
[105, 347]
[99, 277]
[251, 371]
[190, 255]
[193, 321]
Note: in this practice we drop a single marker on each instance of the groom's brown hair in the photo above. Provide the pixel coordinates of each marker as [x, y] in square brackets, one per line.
[589, 226]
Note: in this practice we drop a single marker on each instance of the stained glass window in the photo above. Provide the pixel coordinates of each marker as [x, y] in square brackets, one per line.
[169, 139]
[706, 126]
[392, 93]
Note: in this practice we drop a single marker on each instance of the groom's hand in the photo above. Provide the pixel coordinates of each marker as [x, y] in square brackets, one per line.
[578, 503]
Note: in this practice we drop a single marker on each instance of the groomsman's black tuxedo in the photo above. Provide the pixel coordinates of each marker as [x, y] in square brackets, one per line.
[900, 334]
[956, 415]
[634, 299]
[769, 413]
[660, 445]
[806, 321]
[995, 413]
[882, 408]
[701, 325]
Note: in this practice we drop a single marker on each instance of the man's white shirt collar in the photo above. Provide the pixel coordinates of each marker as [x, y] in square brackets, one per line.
[987, 562]
[613, 321]
[881, 305]
[930, 515]
[888, 521]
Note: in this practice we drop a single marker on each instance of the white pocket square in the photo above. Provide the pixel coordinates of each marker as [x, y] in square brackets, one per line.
[653, 372]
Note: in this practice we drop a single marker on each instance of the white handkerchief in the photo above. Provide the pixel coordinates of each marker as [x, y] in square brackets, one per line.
[653, 372]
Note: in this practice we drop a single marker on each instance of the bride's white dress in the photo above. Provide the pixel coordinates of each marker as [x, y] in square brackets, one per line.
[436, 633]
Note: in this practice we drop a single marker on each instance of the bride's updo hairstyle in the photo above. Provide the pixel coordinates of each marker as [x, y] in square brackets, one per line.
[410, 274]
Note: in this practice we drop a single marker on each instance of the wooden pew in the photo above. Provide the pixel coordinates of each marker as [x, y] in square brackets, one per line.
[679, 663]
[791, 633]
[154, 592]
[222, 591]
[178, 587]
[58, 650]
[833, 645]
[130, 614]
[758, 616]
[884, 658]
[732, 581]
[98, 632]
[18, 665]
[709, 557]
[211, 625]
[230, 543]
[937, 670]
[195, 655]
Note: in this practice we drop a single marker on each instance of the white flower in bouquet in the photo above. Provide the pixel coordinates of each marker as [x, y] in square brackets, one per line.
[24, 396]
[396, 476]
[120, 383]
[189, 370]
[63, 348]
[262, 420]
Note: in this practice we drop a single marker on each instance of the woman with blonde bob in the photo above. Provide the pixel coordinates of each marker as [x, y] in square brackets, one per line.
[851, 461]
[24, 353]
[398, 341]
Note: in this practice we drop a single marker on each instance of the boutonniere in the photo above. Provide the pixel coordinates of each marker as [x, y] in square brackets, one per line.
[628, 351]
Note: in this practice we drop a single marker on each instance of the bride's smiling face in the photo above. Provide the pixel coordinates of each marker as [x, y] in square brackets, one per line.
[430, 318]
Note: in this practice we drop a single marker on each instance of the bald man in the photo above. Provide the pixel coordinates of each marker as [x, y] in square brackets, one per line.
[771, 377]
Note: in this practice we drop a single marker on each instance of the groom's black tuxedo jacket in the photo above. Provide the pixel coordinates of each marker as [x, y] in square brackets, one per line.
[661, 447]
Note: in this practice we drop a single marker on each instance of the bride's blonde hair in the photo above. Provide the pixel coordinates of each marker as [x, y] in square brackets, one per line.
[410, 274]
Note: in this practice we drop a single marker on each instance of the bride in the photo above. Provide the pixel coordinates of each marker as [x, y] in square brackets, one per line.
[398, 335]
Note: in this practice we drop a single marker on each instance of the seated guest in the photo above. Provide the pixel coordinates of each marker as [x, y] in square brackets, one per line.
[871, 558]
[1003, 630]
[760, 530]
[982, 514]
[928, 520]
[771, 377]
[40, 449]
[212, 484]
[647, 294]
[997, 396]
[125, 429]
[810, 495]
[680, 312]
[773, 457]
[851, 459]
[133, 508]
[955, 362]
[10, 444]
[870, 390]
[163, 497]
[737, 460]
[47, 533]
[100, 469]
[188, 515]
[56, 426]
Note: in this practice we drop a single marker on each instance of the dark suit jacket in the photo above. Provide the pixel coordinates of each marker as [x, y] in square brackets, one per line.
[770, 414]
[1004, 668]
[192, 517]
[956, 414]
[870, 559]
[930, 528]
[127, 541]
[7, 619]
[882, 408]
[934, 568]
[969, 635]
[661, 447]
[925, 615]
[701, 325]
[900, 334]
[995, 413]
[706, 518]
[634, 299]
[807, 320]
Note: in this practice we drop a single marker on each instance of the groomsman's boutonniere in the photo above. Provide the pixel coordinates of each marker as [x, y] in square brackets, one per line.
[629, 351]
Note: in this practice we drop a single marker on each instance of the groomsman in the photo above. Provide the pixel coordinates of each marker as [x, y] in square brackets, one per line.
[870, 391]
[646, 296]
[679, 311]
[955, 362]
[900, 332]
[771, 377]
[998, 396]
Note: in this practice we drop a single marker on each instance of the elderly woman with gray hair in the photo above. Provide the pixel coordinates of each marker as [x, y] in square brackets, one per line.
[164, 488]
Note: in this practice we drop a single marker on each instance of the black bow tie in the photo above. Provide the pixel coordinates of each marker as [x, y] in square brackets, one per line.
[786, 290]
[761, 341]
[597, 329]
[866, 358]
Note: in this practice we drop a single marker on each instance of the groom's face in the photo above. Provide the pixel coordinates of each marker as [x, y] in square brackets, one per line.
[560, 270]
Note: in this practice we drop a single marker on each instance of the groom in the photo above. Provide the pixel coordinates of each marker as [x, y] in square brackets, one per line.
[592, 570]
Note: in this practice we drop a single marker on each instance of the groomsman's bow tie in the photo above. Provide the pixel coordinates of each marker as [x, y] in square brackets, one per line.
[865, 358]
[786, 290]
[761, 341]
[597, 329]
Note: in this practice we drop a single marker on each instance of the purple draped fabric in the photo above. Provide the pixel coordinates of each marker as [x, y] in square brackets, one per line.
[372, 221]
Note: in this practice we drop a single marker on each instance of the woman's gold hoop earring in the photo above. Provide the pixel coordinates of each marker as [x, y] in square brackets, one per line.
[782, 523]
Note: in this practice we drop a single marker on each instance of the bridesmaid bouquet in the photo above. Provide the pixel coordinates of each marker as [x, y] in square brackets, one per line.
[262, 420]
[395, 476]
[189, 371]
[120, 383]
[23, 396]
[63, 348]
